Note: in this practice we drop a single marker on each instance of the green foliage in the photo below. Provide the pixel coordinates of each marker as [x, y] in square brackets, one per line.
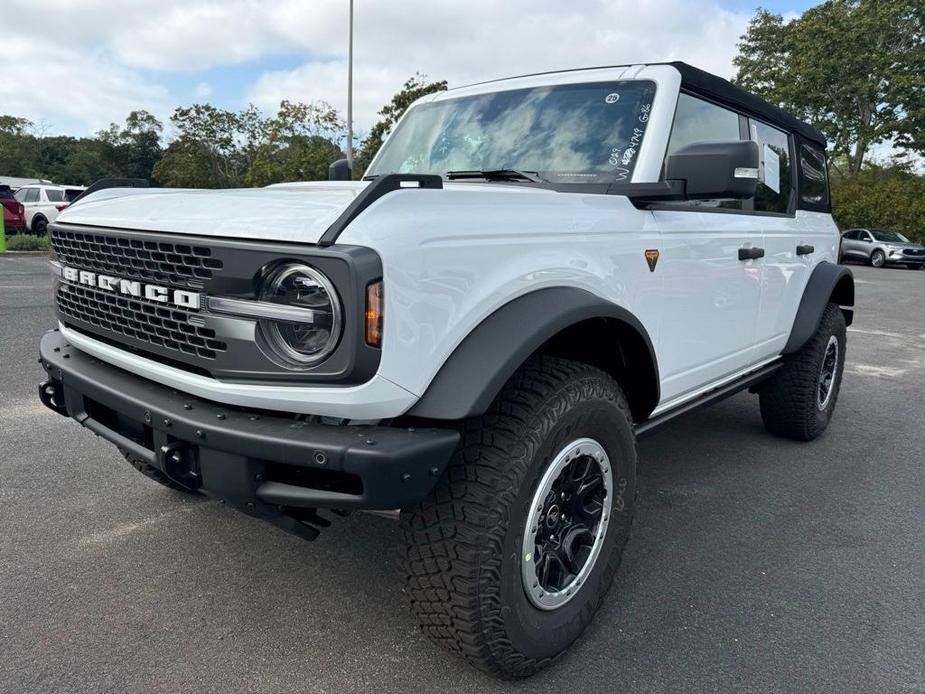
[222, 149]
[300, 144]
[886, 197]
[129, 150]
[213, 147]
[136, 147]
[27, 242]
[853, 68]
[411, 91]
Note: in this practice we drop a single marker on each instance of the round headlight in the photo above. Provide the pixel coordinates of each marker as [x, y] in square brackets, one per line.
[302, 340]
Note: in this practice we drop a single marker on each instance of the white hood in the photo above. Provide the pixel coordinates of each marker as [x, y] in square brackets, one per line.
[290, 212]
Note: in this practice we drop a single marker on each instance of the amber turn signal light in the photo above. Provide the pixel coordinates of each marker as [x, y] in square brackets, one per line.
[374, 309]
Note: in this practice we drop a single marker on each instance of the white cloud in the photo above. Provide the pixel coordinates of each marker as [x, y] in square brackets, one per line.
[203, 90]
[58, 87]
[124, 50]
[484, 39]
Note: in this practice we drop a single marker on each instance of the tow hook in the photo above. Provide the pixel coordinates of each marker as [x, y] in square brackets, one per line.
[179, 462]
[52, 396]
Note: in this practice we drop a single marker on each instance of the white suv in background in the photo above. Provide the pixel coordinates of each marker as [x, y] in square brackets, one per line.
[42, 203]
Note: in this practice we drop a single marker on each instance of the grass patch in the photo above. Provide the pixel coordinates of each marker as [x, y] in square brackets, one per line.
[27, 242]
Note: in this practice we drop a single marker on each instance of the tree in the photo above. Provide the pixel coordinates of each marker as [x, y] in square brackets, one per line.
[853, 68]
[136, 146]
[16, 146]
[213, 148]
[887, 196]
[411, 91]
[300, 144]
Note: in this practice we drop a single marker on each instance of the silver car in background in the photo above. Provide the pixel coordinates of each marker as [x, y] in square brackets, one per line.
[881, 247]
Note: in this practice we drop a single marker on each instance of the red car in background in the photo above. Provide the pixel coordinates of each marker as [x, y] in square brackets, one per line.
[14, 214]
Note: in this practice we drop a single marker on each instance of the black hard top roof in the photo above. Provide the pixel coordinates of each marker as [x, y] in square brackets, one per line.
[725, 92]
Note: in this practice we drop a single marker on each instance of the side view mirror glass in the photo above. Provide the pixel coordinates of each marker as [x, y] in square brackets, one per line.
[716, 170]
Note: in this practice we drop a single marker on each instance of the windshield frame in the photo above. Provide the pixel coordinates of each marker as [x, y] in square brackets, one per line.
[578, 180]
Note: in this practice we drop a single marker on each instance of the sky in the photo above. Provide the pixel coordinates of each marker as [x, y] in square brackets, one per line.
[74, 66]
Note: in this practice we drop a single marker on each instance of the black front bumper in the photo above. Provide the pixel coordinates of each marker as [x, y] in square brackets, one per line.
[267, 464]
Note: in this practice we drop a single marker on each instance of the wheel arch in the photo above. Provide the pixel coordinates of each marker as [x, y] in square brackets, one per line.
[561, 321]
[36, 216]
[827, 283]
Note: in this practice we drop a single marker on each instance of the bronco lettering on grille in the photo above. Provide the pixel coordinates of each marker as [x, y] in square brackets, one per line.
[151, 292]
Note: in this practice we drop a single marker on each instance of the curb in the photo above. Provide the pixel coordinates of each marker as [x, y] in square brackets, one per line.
[5, 253]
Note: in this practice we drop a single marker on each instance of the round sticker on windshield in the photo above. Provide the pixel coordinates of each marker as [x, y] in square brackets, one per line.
[612, 98]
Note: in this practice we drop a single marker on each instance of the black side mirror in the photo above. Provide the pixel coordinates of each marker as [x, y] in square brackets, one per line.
[340, 171]
[716, 170]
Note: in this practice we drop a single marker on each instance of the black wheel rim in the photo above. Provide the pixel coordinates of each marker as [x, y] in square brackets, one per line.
[826, 382]
[567, 524]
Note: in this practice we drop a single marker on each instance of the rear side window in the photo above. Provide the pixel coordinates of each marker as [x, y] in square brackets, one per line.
[814, 184]
[54, 195]
[72, 194]
[775, 187]
[27, 195]
[696, 120]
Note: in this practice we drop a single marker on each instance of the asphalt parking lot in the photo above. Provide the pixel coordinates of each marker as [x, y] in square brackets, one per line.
[756, 564]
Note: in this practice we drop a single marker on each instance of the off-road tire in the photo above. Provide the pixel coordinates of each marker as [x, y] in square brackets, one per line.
[789, 404]
[153, 473]
[878, 258]
[463, 544]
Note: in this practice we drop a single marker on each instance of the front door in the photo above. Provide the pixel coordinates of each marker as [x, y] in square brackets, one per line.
[712, 299]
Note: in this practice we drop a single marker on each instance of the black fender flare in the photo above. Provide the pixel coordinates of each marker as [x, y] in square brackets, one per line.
[827, 283]
[489, 355]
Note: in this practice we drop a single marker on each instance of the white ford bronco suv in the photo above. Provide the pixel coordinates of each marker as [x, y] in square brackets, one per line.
[533, 273]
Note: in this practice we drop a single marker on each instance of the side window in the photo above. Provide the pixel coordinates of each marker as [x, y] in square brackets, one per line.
[775, 187]
[54, 195]
[814, 184]
[852, 235]
[696, 120]
[29, 195]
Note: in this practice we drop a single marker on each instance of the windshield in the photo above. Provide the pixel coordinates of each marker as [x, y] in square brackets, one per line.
[567, 133]
[889, 236]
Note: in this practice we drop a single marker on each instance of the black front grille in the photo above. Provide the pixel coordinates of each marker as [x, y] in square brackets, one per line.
[156, 325]
[913, 251]
[154, 261]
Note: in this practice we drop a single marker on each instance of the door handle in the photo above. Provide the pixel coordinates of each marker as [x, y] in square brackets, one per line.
[751, 253]
[805, 249]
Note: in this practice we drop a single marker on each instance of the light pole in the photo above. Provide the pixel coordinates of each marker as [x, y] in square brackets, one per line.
[350, 92]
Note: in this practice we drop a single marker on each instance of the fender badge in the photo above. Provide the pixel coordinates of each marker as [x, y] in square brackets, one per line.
[652, 258]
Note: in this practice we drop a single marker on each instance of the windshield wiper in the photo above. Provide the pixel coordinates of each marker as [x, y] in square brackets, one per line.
[497, 175]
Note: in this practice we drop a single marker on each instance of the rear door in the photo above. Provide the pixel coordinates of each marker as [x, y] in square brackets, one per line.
[790, 241]
[859, 245]
[711, 298]
[29, 197]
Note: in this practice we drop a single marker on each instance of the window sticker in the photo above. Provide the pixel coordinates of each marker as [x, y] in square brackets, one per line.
[771, 168]
[612, 98]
